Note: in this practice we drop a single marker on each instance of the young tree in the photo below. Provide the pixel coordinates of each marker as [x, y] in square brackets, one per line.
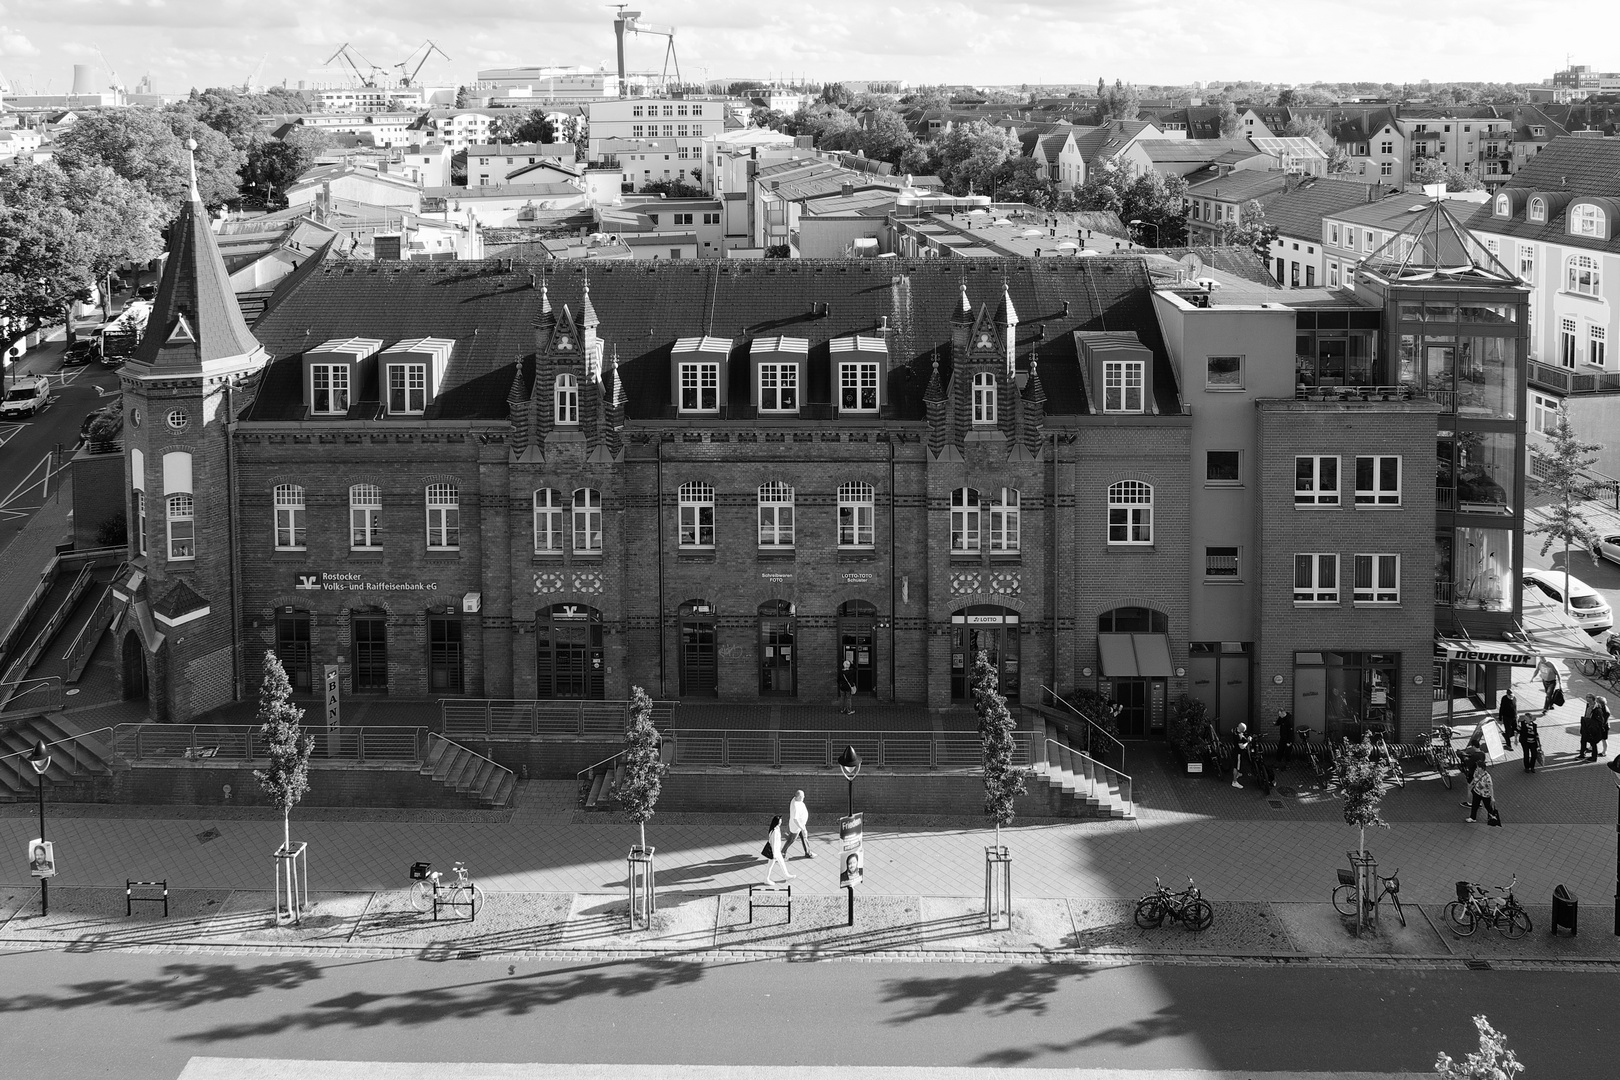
[1120, 102]
[1361, 782]
[1435, 171]
[1562, 472]
[1305, 126]
[1229, 120]
[1492, 1061]
[1252, 231]
[286, 779]
[644, 767]
[1161, 200]
[1003, 781]
[535, 127]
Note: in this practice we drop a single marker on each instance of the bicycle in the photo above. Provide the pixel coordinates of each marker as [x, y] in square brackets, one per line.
[1438, 750]
[1344, 895]
[1606, 668]
[1382, 750]
[1320, 764]
[1216, 747]
[458, 891]
[1187, 907]
[1474, 906]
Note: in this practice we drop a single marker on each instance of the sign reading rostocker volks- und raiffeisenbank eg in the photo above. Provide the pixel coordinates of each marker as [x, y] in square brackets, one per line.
[328, 581]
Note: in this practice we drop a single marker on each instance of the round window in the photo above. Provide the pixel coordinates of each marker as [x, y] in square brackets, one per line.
[178, 419]
[135, 417]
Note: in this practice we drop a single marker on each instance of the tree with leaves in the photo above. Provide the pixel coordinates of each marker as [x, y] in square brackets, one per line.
[1562, 472]
[970, 153]
[673, 189]
[226, 111]
[1361, 781]
[534, 127]
[1434, 171]
[1003, 781]
[1305, 126]
[1251, 230]
[148, 148]
[1492, 1061]
[644, 766]
[1120, 102]
[1018, 180]
[274, 164]
[1229, 120]
[286, 777]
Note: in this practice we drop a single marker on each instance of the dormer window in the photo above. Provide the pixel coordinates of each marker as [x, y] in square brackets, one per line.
[329, 389]
[1538, 210]
[1537, 131]
[565, 394]
[984, 398]
[1123, 386]
[1504, 206]
[407, 388]
[1587, 219]
[700, 386]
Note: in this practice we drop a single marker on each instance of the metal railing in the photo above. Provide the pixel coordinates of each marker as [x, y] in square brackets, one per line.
[492, 718]
[1095, 734]
[30, 696]
[1092, 777]
[1445, 497]
[498, 767]
[25, 663]
[245, 742]
[78, 654]
[1573, 381]
[820, 749]
[1445, 592]
[1325, 392]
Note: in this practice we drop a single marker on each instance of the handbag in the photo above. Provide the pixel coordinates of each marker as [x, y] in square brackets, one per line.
[1539, 759]
[1494, 818]
[1557, 696]
[766, 850]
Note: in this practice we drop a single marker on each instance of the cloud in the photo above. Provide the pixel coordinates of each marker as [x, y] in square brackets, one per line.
[14, 44]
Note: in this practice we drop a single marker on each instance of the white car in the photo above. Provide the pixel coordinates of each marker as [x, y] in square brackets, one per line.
[1608, 546]
[26, 397]
[1587, 606]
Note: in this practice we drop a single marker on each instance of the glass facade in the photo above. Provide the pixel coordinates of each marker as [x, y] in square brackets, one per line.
[1334, 690]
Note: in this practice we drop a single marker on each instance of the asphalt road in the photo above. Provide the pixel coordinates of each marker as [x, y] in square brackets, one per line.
[140, 1016]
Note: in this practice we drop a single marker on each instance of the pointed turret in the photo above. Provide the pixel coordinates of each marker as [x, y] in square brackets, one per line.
[961, 325]
[1033, 408]
[1007, 319]
[613, 413]
[591, 349]
[934, 406]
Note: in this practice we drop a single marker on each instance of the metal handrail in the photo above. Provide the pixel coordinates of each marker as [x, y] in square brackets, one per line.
[244, 742]
[481, 757]
[816, 748]
[1094, 725]
[1086, 770]
[581, 774]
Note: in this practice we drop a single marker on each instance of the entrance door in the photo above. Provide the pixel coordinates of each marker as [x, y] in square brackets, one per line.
[292, 649]
[568, 653]
[1132, 698]
[857, 621]
[698, 673]
[370, 633]
[992, 631]
[444, 655]
[776, 653]
[134, 667]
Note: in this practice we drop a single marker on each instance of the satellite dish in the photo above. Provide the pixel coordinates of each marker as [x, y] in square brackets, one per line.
[1192, 264]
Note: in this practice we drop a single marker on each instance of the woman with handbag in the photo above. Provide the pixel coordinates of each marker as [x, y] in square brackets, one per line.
[1530, 742]
[773, 852]
[1484, 791]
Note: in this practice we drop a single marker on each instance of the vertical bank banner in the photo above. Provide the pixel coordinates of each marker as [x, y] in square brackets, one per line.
[332, 717]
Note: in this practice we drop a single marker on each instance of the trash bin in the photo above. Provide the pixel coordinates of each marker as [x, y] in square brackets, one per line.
[1565, 910]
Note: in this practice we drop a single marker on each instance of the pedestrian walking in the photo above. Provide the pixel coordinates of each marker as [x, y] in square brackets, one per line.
[1484, 790]
[1530, 742]
[1242, 741]
[1594, 725]
[1507, 715]
[1471, 756]
[1285, 737]
[846, 688]
[798, 824]
[1600, 727]
[773, 852]
[1549, 683]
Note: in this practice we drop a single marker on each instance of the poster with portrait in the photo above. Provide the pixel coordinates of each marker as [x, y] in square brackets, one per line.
[42, 858]
[854, 869]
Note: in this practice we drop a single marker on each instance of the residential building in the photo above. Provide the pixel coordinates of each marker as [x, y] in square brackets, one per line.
[1220, 201]
[666, 228]
[1351, 235]
[456, 128]
[504, 205]
[371, 183]
[647, 161]
[378, 128]
[372, 99]
[497, 163]
[577, 83]
[1298, 254]
[682, 123]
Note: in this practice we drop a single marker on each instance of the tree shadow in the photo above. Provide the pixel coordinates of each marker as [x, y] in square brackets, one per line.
[1137, 1033]
[1020, 989]
[694, 872]
[175, 987]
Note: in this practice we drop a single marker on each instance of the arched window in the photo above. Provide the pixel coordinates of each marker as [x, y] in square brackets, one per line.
[443, 516]
[587, 521]
[1538, 209]
[1504, 206]
[548, 525]
[182, 513]
[697, 515]
[1004, 521]
[1130, 513]
[365, 516]
[1582, 275]
[1587, 219]
[289, 499]
[565, 393]
[856, 512]
[964, 520]
[775, 515]
[984, 398]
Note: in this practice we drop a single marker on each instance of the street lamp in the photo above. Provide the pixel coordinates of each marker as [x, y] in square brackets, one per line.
[1614, 767]
[1152, 225]
[40, 759]
[849, 763]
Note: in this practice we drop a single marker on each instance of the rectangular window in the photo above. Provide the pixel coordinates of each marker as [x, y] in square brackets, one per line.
[182, 527]
[443, 517]
[697, 525]
[1350, 237]
[444, 655]
[1333, 275]
[1386, 168]
[1223, 373]
[588, 521]
[857, 506]
[1316, 481]
[140, 522]
[1543, 413]
[1527, 261]
[683, 219]
[700, 387]
[365, 516]
[1223, 467]
[1220, 564]
[1122, 386]
[1596, 340]
[407, 388]
[858, 387]
[1378, 579]
[289, 499]
[329, 389]
[1310, 276]
[1333, 233]
[711, 219]
[1004, 521]
[1378, 481]
[779, 388]
[637, 131]
[1566, 341]
[1316, 579]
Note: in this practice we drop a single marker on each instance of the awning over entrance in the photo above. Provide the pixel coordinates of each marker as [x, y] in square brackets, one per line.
[1485, 652]
[1134, 656]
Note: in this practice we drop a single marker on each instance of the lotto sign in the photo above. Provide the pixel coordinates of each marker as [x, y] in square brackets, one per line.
[851, 832]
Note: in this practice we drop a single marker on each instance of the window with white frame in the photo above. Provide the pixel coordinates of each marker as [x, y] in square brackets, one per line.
[775, 515]
[587, 521]
[289, 502]
[1220, 564]
[548, 521]
[1566, 343]
[365, 516]
[697, 515]
[329, 389]
[779, 388]
[700, 387]
[565, 396]
[1378, 480]
[858, 387]
[1316, 578]
[1350, 237]
[856, 513]
[182, 515]
[1543, 413]
[140, 522]
[1130, 513]
[1587, 219]
[1538, 210]
[1377, 579]
[1504, 206]
[443, 516]
[1316, 480]
[1493, 245]
[1582, 275]
[1223, 373]
[1122, 386]
[1386, 168]
[1596, 343]
[984, 398]
[1386, 148]
[1527, 261]
[1333, 275]
[407, 388]
[1333, 233]
[965, 520]
[1004, 521]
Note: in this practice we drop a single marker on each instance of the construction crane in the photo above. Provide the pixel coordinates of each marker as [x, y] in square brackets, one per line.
[117, 85]
[630, 21]
[247, 83]
[409, 78]
[368, 78]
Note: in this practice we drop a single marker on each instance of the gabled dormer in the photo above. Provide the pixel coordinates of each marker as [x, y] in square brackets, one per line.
[698, 375]
[860, 370]
[1117, 372]
[333, 373]
[778, 374]
[412, 372]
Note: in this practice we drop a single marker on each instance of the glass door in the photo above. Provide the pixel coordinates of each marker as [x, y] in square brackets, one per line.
[776, 655]
[444, 655]
[370, 633]
[698, 671]
[856, 622]
[292, 649]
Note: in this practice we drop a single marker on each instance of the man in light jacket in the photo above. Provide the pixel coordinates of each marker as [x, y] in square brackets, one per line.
[798, 825]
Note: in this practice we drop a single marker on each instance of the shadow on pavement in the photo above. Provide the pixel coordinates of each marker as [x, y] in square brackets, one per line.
[180, 986]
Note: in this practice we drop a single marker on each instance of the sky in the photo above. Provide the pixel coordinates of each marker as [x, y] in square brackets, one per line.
[199, 43]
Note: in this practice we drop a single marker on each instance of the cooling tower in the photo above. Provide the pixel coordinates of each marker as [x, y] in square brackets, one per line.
[84, 79]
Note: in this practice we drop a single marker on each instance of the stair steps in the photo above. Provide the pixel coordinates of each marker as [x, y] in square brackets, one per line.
[478, 778]
[83, 758]
[1067, 790]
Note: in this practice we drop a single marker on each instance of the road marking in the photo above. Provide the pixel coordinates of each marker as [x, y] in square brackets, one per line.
[214, 1068]
[9, 432]
[28, 483]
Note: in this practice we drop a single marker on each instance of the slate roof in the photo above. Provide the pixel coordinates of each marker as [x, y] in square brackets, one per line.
[1239, 186]
[1109, 140]
[1579, 166]
[1299, 213]
[195, 318]
[1199, 151]
[488, 308]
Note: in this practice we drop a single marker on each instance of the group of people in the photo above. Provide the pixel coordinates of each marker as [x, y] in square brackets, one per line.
[776, 848]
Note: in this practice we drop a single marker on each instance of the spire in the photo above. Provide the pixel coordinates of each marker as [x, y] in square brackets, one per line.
[618, 381]
[587, 313]
[936, 389]
[964, 310]
[545, 316]
[1033, 390]
[191, 156]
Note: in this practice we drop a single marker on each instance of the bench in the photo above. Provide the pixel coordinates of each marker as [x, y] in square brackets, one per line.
[130, 899]
[770, 892]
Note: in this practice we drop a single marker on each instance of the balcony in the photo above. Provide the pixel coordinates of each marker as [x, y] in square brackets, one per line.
[1570, 381]
[1444, 592]
[1445, 497]
[1405, 392]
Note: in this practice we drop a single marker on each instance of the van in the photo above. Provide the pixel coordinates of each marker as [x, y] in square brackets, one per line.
[26, 397]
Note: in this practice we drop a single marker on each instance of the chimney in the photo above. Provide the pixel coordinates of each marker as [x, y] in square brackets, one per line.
[847, 189]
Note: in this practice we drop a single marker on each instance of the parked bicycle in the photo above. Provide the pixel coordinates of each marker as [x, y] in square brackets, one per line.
[1219, 751]
[1604, 668]
[1476, 906]
[456, 891]
[1187, 907]
[1442, 757]
[1317, 755]
[1382, 751]
[1346, 896]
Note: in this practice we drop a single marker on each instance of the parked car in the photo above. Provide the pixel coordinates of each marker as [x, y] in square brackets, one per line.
[26, 397]
[79, 352]
[1608, 546]
[146, 292]
[1587, 606]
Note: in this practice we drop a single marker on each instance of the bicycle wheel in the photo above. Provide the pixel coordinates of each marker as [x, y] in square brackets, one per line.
[1344, 899]
[477, 899]
[421, 895]
[1464, 920]
[1514, 923]
[1400, 913]
[1150, 913]
[1445, 774]
[1200, 914]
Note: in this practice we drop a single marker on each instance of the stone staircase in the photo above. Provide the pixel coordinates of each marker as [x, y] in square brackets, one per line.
[77, 761]
[482, 781]
[1075, 784]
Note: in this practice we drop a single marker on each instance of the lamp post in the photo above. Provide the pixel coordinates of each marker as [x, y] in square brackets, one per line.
[849, 763]
[1150, 224]
[40, 759]
[1614, 766]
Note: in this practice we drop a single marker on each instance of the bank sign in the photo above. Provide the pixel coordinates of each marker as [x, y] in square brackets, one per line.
[327, 581]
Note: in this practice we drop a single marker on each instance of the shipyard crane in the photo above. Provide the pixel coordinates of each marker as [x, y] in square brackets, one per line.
[117, 85]
[409, 78]
[247, 83]
[368, 78]
[630, 21]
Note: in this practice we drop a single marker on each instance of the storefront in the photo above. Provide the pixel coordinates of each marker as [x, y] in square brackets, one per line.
[857, 642]
[992, 631]
[1335, 690]
[1133, 653]
[777, 656]
[569, 662]
[699, 675]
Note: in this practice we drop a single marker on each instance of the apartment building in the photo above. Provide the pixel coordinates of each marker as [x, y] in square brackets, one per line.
[681, 122]
[1220, 201]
